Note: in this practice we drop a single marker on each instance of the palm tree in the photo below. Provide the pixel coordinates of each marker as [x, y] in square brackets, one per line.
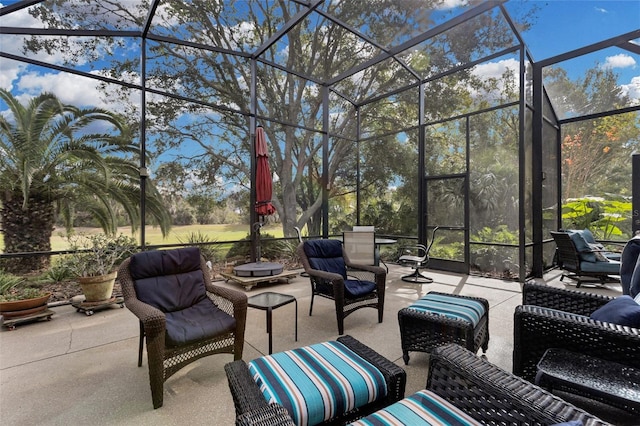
[57, 159]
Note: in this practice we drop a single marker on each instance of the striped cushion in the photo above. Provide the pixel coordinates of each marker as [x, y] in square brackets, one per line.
[451, 306]
[315, 383]
[421, 408]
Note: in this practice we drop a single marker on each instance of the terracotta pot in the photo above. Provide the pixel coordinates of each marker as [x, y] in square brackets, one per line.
[24, 307]
[99, 288]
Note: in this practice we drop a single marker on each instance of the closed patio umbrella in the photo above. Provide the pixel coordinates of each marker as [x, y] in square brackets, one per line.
[264, 184]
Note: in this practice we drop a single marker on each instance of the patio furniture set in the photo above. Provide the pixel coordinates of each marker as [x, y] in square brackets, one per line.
[343, 381]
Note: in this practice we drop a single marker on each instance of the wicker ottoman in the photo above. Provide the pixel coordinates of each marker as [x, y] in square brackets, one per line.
[325, 383]
[440, 318]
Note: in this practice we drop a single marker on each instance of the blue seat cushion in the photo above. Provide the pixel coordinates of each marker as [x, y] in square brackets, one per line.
[318, 382]
[421, 408]
[357, 288]
[450, 306]
[198, 322]
[622, 310]
[610, 267]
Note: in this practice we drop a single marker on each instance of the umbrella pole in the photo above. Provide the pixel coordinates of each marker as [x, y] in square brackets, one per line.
[256, 227]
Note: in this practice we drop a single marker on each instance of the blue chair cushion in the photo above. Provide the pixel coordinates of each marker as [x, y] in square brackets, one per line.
[326, 255]
[450, 306]
[318, 382]
[622, 310]
[421, 408]
[357, 288]
[170, 280]
[610, 267]
[584, 250]
[200, 321]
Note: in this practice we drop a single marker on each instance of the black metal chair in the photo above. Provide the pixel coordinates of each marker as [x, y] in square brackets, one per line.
[417, 257]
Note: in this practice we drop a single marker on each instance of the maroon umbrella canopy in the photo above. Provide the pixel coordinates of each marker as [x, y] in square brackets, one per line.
[264, 185]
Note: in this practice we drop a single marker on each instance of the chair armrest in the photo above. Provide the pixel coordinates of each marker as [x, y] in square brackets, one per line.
[492, 395]
[246, 394]
[153, 319]
[231, 301]
[574, 301]
[537, 329]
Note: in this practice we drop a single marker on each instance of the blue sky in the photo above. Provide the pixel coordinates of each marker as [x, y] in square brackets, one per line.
[560, 26]
[565, 25]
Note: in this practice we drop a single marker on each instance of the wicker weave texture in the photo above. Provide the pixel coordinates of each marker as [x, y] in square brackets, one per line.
[164, 361]
[424, 331]
[494, 396]
[559, 319]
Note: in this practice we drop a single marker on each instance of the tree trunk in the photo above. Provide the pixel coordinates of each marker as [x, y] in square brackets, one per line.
[26, 230]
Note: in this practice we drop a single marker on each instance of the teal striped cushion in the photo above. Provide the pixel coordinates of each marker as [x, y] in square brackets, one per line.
[421, 408]
[450, 306]
[315, 383]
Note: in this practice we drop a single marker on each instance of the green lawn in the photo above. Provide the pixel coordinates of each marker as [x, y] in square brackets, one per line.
[153, 235]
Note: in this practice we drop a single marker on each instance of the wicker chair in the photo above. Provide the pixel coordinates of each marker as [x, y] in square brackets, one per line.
[552, 317]
[252, 407]
[482, 390]
[334, 272]
[493, 396]
[148, 276]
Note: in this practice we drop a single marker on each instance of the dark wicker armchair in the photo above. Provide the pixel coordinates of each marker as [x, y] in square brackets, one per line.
[183, 316]
[552, 317]
[333, 276]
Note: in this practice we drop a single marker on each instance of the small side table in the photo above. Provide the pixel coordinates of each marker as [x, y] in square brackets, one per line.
[268, 301]
[607, 381]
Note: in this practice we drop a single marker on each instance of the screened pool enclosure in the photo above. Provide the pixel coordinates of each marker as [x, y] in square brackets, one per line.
[405, 115]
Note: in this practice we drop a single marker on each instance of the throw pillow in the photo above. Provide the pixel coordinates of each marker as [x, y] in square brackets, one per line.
[598, 250]
[622, 310]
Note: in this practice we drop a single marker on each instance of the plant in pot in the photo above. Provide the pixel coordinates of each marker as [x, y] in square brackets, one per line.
[18, 299]
[94, 260]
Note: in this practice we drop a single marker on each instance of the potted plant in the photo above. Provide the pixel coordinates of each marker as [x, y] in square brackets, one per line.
[18, 300]
[94, 260]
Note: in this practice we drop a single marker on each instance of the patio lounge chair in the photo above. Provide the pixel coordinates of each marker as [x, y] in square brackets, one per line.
[333, 276]
[583, 263]
[480, 390]
[183, 316]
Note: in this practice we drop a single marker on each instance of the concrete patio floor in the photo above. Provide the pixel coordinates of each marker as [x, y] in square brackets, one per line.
[79, 369]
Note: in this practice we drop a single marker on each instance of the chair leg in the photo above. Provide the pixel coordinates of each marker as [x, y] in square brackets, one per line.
[417, 278]
[311, 304]
[141, 345]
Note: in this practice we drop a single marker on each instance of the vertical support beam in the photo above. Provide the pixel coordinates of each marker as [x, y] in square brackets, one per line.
[635, 191]
[325, 161]
[537, 262]
[144, 174]
[358, 165]
[422, 184]
[253, 217]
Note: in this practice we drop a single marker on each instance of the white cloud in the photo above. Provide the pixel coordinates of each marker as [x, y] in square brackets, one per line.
[600, 9]
[69, 88]
[619, 61]
[632, 89]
